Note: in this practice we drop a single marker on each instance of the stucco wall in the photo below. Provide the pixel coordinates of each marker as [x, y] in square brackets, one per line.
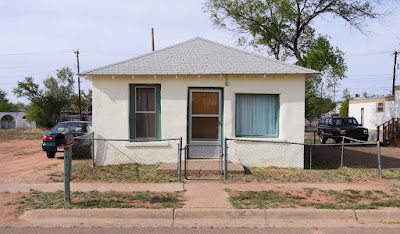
[111, 104]
[372, 118]
[19, 120]
[147, 153]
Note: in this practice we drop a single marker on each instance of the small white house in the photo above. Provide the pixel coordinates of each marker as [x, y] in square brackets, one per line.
[372, 112]
[202, 91]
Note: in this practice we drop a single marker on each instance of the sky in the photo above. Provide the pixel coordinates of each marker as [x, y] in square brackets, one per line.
[39, 37]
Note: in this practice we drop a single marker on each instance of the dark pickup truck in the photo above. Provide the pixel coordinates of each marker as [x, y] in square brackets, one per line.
[337, 126]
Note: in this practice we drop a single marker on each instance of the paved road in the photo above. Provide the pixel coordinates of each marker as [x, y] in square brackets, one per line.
[341, 230]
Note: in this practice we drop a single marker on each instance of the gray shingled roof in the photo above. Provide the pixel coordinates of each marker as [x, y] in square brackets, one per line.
[199, 56]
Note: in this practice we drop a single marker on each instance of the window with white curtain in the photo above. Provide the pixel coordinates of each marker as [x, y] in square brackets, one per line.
[257, 115]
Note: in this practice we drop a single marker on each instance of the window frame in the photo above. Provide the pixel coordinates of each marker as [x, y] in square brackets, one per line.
[377, 107]
[276, 135]
[133, 111]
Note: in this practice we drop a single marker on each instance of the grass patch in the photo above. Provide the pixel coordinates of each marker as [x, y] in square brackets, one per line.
[94, 199]
[309, 137]
[320, 199]
[344, 174]
[118, 173]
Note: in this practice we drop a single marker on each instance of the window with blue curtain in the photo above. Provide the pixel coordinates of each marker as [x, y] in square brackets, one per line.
[257, 115]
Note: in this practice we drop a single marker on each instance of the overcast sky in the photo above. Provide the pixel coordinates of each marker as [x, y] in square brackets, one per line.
[38, 37]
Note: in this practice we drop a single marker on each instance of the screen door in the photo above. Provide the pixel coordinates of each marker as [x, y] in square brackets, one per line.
[204, 123]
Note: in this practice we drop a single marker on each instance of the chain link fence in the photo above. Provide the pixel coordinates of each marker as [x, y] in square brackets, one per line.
[260, 153]
[83, 147]
[164, 154]
[272, 154]
[334, 156]
[216, 161]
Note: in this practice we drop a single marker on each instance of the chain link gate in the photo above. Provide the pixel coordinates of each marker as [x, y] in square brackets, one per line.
[204, 162]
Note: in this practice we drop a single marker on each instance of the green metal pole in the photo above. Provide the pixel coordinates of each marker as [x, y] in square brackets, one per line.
[67, 174]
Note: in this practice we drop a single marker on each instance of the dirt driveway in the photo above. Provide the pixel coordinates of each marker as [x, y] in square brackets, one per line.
[24, 161]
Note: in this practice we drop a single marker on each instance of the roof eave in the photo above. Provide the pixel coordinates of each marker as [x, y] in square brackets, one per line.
[308, 75]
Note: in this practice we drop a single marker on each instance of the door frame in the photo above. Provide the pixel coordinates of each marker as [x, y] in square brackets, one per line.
[362, 116]
[220, 115]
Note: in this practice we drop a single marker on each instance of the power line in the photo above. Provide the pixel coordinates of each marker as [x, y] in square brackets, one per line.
[369, 53]
[35, 53]
[105, 53]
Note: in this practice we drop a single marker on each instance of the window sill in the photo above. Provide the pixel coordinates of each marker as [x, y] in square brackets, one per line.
[263, 139]
[146, 144]
[259, 137]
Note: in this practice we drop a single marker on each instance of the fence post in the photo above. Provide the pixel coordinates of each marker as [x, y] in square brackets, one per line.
[342, 154]
[92, 148]
[67, 174]
[393, 129]
[310, 163]
[378, 133]
[314, 136]
[186, 153]
[378, 147]
[179, 159]
[226, 160]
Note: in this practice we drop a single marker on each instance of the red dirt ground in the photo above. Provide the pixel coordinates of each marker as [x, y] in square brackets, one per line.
[25, 162]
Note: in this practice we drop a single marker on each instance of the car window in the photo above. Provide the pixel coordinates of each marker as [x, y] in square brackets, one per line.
[345, 121]
[69, 127]
[337, 122]
[351, 121]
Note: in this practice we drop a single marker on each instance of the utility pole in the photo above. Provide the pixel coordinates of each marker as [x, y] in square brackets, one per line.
[394, 72]
[334, 92]
[79, 86]
[152, 39]
[322, 84]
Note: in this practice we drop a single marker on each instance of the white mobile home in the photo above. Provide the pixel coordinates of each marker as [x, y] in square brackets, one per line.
[373, 112]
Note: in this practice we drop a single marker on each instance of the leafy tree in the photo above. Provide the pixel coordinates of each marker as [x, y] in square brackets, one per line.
[3, 96]
[284, 29]
[86, 101]
[366, 95]
[344, 109]
[323, 57]
[48, 105]
[284, 26]
[5, 104]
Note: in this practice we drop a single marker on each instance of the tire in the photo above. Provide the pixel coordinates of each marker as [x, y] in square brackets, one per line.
[50, 154]
[322, 139]
[338, 140]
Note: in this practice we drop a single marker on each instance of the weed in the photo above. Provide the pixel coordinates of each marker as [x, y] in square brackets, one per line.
[344, 174]
[309, 191]
[119, 173]
[49, 167]
[94, 199]
[5, 192]
[20, 134]
[332, 199]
